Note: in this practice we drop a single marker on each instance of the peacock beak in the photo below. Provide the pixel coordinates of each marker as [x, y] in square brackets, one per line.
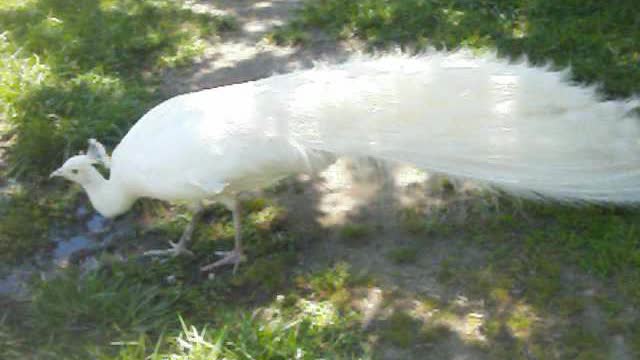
[55, 173]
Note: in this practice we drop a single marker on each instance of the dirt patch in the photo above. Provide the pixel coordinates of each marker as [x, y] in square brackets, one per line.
[245, 54]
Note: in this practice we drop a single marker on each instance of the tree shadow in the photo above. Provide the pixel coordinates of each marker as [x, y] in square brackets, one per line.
[123, 38]
[492, 277]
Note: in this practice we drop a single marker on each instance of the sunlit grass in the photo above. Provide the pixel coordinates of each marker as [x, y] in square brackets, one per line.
[594, 37]
[75, 70]
[122, 313]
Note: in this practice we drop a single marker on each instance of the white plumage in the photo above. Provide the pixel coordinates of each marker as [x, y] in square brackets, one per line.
[520, 128]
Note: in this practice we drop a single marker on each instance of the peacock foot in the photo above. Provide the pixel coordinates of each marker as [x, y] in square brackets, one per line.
[176, 249]
[233, 257]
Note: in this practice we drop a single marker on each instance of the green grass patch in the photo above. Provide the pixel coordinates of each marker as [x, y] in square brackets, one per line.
[401, 329]
[434, 334]
[11, 344]
[307, 330]
[71, 71]
[73, 302]
[26, 218]
[329, 281]
[413, 221]
[404, 255]
[75, 314]
[580, 343]
[355, 234]
[24, 226]
[534, 242]
[129, 311]
[592, 36]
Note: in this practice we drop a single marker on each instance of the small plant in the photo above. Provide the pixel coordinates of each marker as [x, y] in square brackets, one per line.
[401, 329]
[404, 255]
[23, 229]
[268, 218]
[329, 281]
[356, 234]
[413, 221]
[268, 273]
[25, 220]
[434, 334]
[291, 34]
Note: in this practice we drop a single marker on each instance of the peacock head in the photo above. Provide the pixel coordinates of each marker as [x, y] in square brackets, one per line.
[78, 168]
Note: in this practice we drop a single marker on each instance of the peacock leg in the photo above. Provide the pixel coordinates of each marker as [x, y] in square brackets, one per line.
[180, 248]
[235, 256]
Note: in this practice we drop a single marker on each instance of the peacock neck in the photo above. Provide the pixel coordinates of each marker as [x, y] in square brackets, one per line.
[108, 197]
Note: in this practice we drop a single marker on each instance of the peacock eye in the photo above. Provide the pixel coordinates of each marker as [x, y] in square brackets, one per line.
[74, 171]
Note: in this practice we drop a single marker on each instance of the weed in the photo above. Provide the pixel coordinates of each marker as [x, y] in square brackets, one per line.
[404, 255]
[446, 272]
[23, 228]
[434, 334]
[26, 218]
[268, 219]
[329, 281]
[289, 35]
[413, 221]
[571, 305]
[401, 329]
[267, 274]
[521, 321]
[355, 234]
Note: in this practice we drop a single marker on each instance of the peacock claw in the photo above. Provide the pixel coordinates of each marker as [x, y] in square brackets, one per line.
[176, 249]
[233, 257]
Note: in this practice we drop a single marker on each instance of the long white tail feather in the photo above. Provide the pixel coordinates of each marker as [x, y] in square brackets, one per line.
[526, 130]
[521, 128]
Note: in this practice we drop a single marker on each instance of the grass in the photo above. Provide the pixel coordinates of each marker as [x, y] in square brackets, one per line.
[356, 234]
[9, 343]
[131, 310]
[404, 255]
[595, 37]
[539, 271]
[23, 228]
[274, 309]
[272, 332]
[26, 218]
[71, 302]
[125, 312]
[87, 69]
